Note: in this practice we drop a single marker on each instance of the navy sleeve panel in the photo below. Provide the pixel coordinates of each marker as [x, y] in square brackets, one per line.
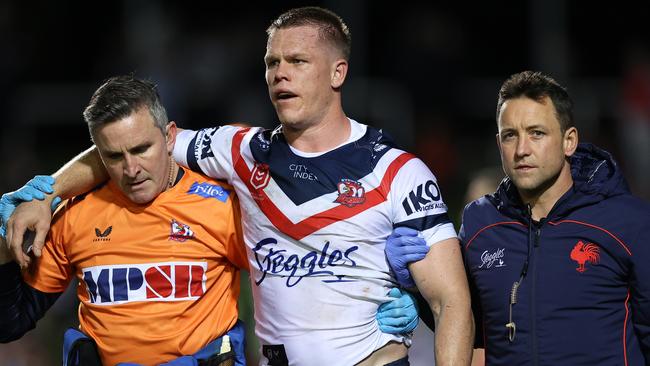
[466, 230]
[479, 335]
[192, 163]
[640, 290]
[424, 223]
[21, 306]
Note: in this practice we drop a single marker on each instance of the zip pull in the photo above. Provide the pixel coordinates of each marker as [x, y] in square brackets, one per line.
[512, 327]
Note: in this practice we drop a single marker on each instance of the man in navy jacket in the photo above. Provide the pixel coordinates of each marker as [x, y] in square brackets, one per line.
[558, 257]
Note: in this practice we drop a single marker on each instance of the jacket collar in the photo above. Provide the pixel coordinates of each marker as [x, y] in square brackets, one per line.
[596, 176]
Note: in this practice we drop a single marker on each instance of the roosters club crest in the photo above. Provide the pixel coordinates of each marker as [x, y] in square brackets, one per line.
[260, 176]
[180, 232]
[583, 253]
[351, 193]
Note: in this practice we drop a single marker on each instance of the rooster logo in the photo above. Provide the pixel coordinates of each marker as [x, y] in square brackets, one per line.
[583, 253]
[351, 193]
[180, 232]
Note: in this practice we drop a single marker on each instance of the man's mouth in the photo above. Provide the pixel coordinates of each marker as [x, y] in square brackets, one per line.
[137, 184]
[524, 168]
[284, 95]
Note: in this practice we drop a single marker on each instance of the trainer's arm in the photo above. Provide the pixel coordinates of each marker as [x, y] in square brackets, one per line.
[441, 279]
[20, 304]
[78, 176]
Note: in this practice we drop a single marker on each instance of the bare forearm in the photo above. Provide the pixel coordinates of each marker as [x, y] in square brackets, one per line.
[79, 175]
[440, 277]
[454, 334]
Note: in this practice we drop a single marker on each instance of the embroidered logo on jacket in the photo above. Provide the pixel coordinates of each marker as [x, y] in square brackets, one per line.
[351, 193]
[103, 235]
[583, 253]
[490, 259]
[180, 232]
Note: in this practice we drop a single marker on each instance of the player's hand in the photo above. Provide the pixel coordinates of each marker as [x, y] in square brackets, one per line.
[27, 229]
[36, 188]
[403, 247]
[400, 315]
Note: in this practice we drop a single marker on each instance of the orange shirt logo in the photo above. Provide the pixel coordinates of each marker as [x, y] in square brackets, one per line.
[168, 281]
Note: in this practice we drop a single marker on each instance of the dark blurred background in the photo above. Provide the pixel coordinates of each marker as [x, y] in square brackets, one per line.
[428, 73]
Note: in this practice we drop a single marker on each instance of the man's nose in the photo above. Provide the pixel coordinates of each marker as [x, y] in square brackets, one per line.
[523, 146]
[281, 72]
[131, 166]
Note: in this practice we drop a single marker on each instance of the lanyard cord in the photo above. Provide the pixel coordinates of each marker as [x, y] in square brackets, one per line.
[512, 327]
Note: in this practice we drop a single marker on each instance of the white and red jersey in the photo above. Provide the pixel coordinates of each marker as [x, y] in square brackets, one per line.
[315, 226]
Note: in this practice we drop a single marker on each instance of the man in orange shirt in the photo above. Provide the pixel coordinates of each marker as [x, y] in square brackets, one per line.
[156, 250]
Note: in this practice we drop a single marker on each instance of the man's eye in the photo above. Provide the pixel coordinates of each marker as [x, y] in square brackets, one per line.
[140, 150]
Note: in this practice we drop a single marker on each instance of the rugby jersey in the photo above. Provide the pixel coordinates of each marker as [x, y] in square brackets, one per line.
[315, 226]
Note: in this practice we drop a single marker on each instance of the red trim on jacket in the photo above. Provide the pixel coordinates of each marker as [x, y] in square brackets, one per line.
[620, 242]
[491, 225]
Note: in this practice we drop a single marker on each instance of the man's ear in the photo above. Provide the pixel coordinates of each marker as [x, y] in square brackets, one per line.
[170, 135]
[570, 143]
[339, 72]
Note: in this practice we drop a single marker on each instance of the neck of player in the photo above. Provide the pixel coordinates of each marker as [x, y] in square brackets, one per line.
[320, 136]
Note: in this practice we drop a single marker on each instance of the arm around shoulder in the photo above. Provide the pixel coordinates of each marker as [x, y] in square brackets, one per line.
[80, 175]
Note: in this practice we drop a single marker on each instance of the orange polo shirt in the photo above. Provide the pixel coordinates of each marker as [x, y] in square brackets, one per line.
[156, 281]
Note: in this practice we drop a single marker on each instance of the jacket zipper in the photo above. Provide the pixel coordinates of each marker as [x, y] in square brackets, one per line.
[533, 292]
[534, 233]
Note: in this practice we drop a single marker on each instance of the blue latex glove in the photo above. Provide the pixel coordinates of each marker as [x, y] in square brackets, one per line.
[36, 188]
[398, 316]
[403, 247]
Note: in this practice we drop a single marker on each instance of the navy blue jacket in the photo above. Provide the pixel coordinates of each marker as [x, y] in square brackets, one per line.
[585, 294]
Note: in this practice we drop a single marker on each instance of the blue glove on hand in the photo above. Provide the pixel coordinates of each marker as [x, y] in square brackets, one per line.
[36, 188]
[398, 316]
[403, 247]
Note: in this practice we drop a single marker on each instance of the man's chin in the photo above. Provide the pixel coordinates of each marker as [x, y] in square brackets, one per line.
[143, 201]
[291, 123]
[140, 198]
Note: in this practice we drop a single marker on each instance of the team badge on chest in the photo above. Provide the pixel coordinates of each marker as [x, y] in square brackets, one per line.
[583, 253]
[351, 193]
[180, 232]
